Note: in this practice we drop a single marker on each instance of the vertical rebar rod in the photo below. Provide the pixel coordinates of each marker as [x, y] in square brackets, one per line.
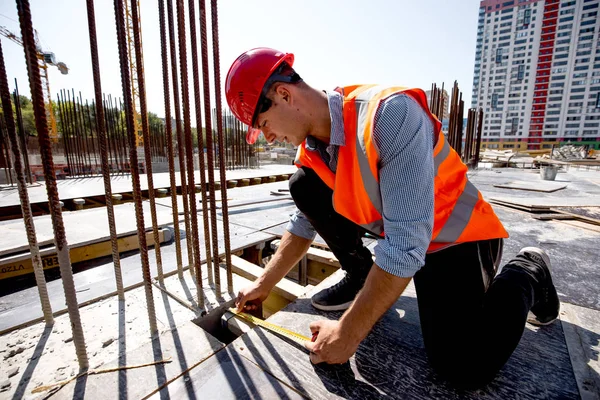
[479, 129]
[41, 124]
[133, 161]
[64, 133]
[198, 109]
[101, 132]
[22, 134]
[4, 141]
[145, 133]
[9, 122]
[185, 97]
[169, 134]
[210, 149]
[223, 179]
[179, 133]
[94, 152]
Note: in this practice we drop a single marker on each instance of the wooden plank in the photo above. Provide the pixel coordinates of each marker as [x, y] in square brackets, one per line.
[547, 202]
[541, 186]
[227, 375]
[587, 214]
[548, 217]
[284, 288]
[583, 225]
[22, 264]
[392, 362]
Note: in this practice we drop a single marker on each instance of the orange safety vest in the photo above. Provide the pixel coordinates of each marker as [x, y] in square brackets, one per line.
[460, 213]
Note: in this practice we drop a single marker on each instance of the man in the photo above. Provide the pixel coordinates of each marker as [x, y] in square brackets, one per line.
[373, 159]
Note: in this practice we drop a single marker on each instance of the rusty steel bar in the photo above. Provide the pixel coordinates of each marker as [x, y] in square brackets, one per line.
[210, 149]
[133, 162]
[180, 144]
[64, 134]
[188, 145]
[223, 179]
[479, 130]
[169, 134]
[146, 134]
[101, 132]
[198, 109]
[4, 141]
[41, 124]
[38, 268]
[21, 133]
[89, 120]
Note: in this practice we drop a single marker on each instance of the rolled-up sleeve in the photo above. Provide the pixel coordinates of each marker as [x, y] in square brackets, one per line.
[403, 134]
[299, 225]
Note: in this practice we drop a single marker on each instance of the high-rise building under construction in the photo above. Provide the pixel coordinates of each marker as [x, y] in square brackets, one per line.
[537, 72]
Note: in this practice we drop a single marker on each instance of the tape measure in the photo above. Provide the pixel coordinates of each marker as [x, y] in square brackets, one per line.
[293, 336]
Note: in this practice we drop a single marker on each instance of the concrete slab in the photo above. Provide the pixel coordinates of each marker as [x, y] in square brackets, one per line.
[88, 187]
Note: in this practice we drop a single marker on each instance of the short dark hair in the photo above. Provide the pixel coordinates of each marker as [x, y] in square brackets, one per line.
[283, 73]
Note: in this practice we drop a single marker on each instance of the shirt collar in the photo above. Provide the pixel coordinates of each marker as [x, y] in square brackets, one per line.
[335, 102]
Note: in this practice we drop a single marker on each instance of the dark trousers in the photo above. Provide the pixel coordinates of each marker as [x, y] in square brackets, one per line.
[470, 325]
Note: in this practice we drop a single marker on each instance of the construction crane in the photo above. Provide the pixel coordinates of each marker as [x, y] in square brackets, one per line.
[133, 70]
[45, 58]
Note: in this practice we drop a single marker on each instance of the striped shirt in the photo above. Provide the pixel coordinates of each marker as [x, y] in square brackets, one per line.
[403, 135]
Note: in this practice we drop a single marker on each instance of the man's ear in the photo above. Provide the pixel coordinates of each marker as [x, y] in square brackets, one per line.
[283, 92]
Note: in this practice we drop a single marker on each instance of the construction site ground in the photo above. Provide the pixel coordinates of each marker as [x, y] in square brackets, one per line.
[204, 361]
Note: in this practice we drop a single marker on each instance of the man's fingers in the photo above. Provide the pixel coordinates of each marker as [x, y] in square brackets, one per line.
[315, 359]
[309, 346]
[315, 326]
[240, 302]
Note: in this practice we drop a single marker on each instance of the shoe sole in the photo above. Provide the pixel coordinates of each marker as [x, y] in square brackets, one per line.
[337, 307]
[540, 253]
[534, 321]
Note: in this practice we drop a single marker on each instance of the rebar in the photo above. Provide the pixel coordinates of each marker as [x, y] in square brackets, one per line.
[146, 134]
[21, 133]
[133, 162]
[101, 132]
[169, 134]
[188, 145]
[38, 268]
[180, 144]
[198, 109]
[41, 124]
[217, 82]
[210, 149]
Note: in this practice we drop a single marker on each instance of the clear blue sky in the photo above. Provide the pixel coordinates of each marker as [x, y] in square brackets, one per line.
[336, 42]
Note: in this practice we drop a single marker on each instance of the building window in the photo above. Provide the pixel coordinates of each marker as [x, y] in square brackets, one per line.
[498, 55]
[598, 100]
[494, 101]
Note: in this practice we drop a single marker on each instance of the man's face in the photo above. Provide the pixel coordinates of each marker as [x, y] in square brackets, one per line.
[281, 121]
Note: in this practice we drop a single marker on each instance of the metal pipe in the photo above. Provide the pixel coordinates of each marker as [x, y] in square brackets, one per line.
[41, 124]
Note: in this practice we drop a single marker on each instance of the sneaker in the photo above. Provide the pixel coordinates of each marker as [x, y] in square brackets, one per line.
[546, 307]
[340, 296]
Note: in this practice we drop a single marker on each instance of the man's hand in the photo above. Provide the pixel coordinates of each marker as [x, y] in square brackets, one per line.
[331, 345]
[251, 297]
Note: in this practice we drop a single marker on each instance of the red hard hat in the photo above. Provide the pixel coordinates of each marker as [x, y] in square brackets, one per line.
[245, 80]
